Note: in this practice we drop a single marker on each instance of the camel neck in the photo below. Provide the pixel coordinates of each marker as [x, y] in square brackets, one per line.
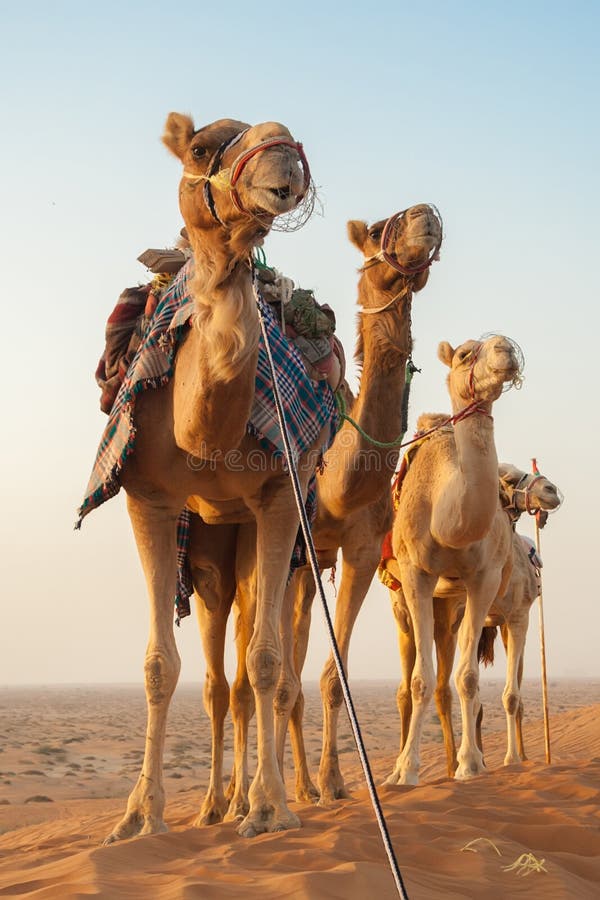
[215, 369]
[361, 468]
[468, 497]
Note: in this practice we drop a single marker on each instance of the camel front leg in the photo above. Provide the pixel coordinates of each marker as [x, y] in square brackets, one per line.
[418, 592]
[277, 526]
[481, 591]
[304, 584]
[155, 533]
[358, 567]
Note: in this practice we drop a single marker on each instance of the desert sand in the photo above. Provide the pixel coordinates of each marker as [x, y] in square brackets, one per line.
[70, 755]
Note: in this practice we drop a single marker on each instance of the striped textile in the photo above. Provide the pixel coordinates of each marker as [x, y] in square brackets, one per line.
[309, 407]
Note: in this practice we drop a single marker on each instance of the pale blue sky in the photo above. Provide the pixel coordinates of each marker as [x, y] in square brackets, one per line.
[487, 110]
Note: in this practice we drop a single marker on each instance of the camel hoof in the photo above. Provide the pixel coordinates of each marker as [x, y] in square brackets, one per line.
[464, 773]
[307, 793]
[400, 778]
[209, 817]
[262, 823]
[238, 809]
[135, 825]
[330, 796]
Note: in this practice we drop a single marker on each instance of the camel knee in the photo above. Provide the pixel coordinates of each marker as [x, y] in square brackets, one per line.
[443, 698]
[216, 692]
[467, 683]
[403, 698]
[264, 665]
[331, 687]
[511, 702]
[420, 689]
[161, 672]
[286, 695]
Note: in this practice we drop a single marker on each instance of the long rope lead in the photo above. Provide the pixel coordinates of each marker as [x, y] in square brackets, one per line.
[305, 525]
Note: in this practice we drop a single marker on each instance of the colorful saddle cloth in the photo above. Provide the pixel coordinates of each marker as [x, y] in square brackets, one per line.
[308, 406]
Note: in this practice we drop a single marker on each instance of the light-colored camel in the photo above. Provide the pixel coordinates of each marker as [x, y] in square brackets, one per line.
[236, 180]
[448, 523]
[355, 472]
[519, 492]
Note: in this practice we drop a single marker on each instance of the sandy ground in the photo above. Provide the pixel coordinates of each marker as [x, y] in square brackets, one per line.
[70, 755]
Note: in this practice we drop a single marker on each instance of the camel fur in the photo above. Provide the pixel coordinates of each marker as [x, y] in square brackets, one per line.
[448, 523]
[202, 414]
[353, 512]
[519, 491]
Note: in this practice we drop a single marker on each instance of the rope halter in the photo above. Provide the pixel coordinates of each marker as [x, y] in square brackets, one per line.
[228, 179]
[387, 254]
[525, 486]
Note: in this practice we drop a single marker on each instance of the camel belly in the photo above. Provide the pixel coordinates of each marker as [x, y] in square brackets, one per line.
[219, 512]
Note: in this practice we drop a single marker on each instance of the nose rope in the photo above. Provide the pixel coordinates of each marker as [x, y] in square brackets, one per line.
[226, 179]
[383, 256]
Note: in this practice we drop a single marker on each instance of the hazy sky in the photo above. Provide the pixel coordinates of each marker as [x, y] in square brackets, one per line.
[488, 110]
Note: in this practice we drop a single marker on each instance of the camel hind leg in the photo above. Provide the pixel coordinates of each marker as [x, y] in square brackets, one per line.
[480, 588]
[418, 591]
[444, 635]
[211, 549]
[358, 567]
[304, 584]
[242, 696]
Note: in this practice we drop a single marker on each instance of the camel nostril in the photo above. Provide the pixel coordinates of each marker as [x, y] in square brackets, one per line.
[284, 193]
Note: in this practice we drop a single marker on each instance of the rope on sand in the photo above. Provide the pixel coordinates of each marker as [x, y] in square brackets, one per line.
[525, 864]
[471, 849]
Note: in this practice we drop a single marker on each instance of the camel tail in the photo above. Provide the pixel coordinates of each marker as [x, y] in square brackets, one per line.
[485, 648]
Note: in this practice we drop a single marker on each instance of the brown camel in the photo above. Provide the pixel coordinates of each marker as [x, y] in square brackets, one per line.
[519, 492]
[355, 472]
[448, 523]
[236, 180]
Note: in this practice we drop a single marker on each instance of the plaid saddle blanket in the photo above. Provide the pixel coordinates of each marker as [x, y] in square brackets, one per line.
[308, 406]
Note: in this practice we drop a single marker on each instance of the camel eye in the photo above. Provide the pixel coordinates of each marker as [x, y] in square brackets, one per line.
[198, 152]
[375, 234]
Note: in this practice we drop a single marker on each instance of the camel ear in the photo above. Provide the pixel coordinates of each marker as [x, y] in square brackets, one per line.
[446, 353]
[357, 232]
[179, 131]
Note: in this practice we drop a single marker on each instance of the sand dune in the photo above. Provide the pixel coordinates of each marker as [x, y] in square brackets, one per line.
[80, 749]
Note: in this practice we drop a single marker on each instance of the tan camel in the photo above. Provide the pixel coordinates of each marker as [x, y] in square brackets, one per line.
[448, 524]
[355, 471]
[519, 492]
[236, 180]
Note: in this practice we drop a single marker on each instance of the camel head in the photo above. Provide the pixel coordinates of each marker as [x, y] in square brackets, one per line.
[236, 177]
[526, 492]
[398, 251]
[480, 370]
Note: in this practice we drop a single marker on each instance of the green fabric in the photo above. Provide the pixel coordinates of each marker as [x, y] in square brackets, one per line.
[307, 317]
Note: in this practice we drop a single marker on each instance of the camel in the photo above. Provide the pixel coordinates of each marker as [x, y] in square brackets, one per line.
[355, 472]
[448, 523]
[519, 492]
[236, 180]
